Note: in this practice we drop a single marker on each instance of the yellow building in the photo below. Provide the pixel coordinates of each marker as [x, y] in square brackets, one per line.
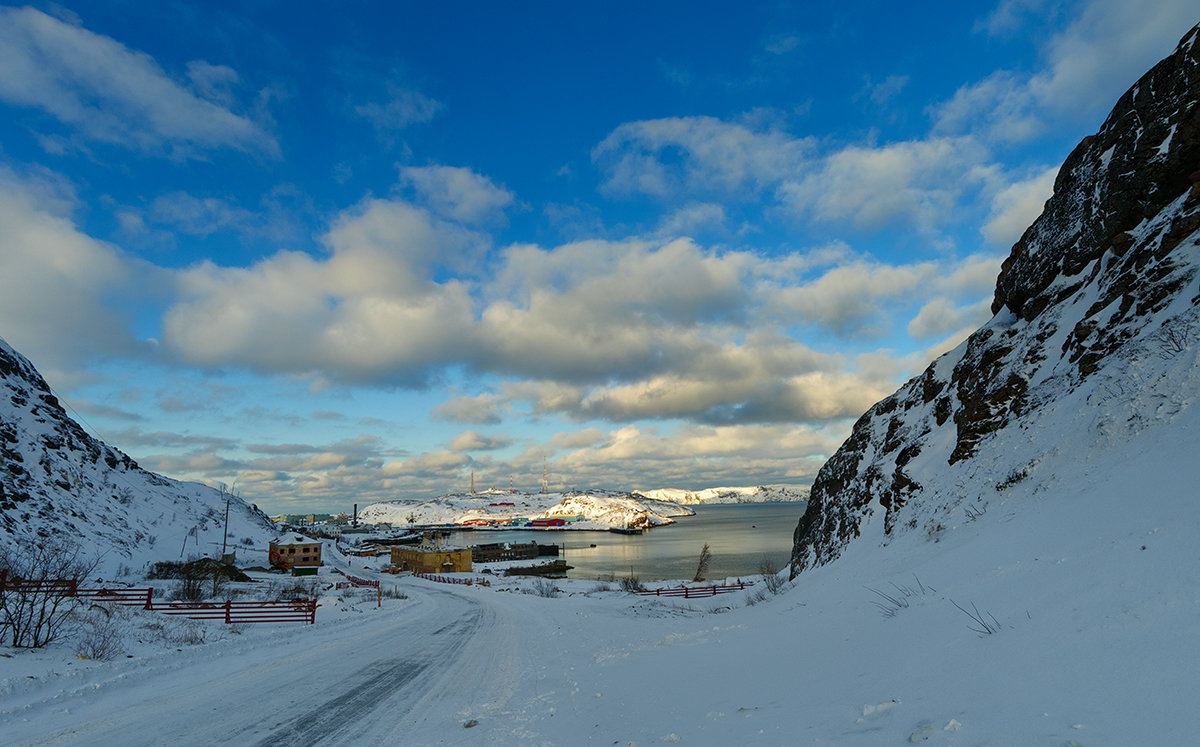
[426, 559]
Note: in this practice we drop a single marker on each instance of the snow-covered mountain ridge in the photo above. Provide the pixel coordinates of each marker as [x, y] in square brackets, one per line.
[758, 494]
[584, 509]
[56, 480]
[1093, 342]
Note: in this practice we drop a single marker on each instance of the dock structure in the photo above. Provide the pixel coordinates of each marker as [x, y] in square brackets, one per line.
[504, 551]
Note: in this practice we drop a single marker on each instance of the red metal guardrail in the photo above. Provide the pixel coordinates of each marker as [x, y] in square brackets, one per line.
[302, 610]
[354, 581]
[452, 580]
[695, 592]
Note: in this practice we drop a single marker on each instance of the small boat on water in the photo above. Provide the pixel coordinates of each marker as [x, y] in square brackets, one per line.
[628, 530]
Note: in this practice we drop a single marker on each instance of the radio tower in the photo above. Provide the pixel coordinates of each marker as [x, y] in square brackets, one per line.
[545, 480]
[472, 482]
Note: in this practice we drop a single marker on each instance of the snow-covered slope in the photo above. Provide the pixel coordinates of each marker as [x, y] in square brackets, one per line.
[58, 481]
[589, 509]
[759, 494]
[1093, 344]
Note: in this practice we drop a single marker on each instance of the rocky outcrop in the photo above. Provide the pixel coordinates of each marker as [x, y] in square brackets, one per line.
[1107, 274]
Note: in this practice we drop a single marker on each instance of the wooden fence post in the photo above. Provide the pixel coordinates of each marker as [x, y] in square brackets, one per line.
[228, 605]
[150, 598]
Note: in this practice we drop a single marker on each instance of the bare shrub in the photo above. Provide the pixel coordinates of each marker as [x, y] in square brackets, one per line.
[985, 623]
[632, 583]
[34, 611]
[756, 596]
[394, 593]
[890, 603]
[973, 513]
[702, 565]
[188, 633]
[769, 569]
[601, 587]
[290, 592]
[99, 635]
[188, 590]
[544, 587]
[1175, 338]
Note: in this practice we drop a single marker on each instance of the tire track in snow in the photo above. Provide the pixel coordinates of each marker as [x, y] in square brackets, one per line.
[362, 696]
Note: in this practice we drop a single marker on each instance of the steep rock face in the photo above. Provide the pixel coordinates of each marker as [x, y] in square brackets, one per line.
[58, 481]
[1094, 314]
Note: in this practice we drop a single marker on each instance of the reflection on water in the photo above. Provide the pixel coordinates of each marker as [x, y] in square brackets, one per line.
[739, 536]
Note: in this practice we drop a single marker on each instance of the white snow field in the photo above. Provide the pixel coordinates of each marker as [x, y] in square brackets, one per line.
[1087, 575]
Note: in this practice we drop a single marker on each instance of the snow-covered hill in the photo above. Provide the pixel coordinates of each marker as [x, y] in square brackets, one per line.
[1093, 345]
[759, 494]
[58, 481]
[589, 509]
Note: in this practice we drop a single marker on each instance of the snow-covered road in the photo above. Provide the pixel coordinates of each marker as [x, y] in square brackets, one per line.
[358, 680]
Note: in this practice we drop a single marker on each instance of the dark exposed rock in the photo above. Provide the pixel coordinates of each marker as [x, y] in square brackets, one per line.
[1115, 246]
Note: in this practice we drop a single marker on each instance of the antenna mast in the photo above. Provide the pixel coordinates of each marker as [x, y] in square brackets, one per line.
[545, 481]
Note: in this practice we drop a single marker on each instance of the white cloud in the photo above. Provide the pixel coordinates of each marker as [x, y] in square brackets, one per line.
[458, 194]
[113, 94]
[881, 94]
[692, 218]
[481, 408]
[718, 157]
[1016, 207]
[939, 317]
[1087, 66]
[57, 284]
[368, 311]
[918, 181]
[402, 107]
[476, 441]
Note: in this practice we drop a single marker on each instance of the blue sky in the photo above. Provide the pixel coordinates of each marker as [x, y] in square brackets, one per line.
[343, 254]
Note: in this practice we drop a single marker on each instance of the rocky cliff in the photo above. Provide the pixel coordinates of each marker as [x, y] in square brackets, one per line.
[57, 481]
[1094, 338]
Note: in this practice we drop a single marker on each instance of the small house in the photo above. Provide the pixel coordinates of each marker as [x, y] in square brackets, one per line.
[295, 551]
[547, 523]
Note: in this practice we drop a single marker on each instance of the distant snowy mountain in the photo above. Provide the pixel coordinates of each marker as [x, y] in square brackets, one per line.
[760, 494]
[1093, 346]
[58, 481]
[588, 509]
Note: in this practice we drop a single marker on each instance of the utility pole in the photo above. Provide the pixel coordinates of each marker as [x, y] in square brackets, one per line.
[225, 539]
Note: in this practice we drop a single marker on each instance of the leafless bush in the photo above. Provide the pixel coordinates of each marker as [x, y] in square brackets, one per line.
[32, 616]
[985, 623]
[974, 513]
[702, 565]
[756, 596]
[99, 635]
[189, 633]
[632, 583]
[393, 593]
[1175, 338]
[1014, 477]
[601, 587]
[890, 603]
[769, 569]
[544, 587]
[188, 590]
[290, 592]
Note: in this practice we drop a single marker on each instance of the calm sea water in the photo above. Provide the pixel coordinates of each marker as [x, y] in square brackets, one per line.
[739, 536]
